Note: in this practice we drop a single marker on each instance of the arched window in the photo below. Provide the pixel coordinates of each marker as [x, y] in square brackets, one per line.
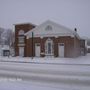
[49, 47]
[21, 32]
[48, 28]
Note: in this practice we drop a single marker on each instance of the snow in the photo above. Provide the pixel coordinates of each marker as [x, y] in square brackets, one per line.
[88, 46]
[23, 86]
[49, 60]
[25, 73]
[11, 84]
[57, 30]
[5, 47]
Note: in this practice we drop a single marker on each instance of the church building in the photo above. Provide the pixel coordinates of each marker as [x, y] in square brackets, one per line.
[48, 39]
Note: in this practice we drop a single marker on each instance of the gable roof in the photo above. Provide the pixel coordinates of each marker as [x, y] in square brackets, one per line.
[50, 29]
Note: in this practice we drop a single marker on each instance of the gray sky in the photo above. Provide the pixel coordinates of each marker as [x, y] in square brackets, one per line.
[70, 13]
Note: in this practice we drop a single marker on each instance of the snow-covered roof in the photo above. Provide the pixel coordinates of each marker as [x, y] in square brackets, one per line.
[50, 29]
[5, 47]
[84, 37]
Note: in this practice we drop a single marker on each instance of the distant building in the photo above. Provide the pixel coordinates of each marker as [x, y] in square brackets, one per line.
[88, 45]
[46, 39]
[4, 50]
[83, 46]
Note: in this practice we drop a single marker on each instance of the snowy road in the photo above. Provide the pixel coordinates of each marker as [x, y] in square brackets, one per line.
[49, 74]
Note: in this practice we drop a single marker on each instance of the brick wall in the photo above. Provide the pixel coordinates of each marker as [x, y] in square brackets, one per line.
[69, 42]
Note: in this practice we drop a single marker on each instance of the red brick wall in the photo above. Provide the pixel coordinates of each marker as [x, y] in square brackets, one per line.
[69, 42]
[26, 28]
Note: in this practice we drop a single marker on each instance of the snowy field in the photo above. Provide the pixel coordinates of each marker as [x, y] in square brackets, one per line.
[18, 73]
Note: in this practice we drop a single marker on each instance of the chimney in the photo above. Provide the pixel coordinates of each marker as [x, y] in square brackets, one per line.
[75, 29]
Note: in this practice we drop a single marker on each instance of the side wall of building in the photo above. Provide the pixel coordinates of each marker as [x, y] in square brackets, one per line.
[77, 48]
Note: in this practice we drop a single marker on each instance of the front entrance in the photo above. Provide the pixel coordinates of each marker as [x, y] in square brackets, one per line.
[49, 47]
[61, 49]
[37, 49]
[21, 51]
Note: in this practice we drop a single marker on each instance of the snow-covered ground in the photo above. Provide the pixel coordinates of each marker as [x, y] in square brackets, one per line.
[50, 60]
[10, 85]
[45, 73]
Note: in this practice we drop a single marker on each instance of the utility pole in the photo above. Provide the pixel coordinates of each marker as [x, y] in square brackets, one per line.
[32, 45]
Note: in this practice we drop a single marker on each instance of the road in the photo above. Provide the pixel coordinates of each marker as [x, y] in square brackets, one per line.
[49, 74]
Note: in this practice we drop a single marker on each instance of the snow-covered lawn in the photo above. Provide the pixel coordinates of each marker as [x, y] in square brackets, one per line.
[10, 85]
[50, 60]
[45, 73]
[23, 85]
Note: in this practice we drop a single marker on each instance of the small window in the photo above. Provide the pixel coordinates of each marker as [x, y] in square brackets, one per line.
[21, 39]
[21, 36]
[6, 52]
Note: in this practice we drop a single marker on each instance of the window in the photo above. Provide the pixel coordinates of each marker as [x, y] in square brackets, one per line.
[6, 52]
[48, 28]
[21, 37]
[49, 47]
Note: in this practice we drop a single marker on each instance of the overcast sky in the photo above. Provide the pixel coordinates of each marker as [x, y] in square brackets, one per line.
[70, 13]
